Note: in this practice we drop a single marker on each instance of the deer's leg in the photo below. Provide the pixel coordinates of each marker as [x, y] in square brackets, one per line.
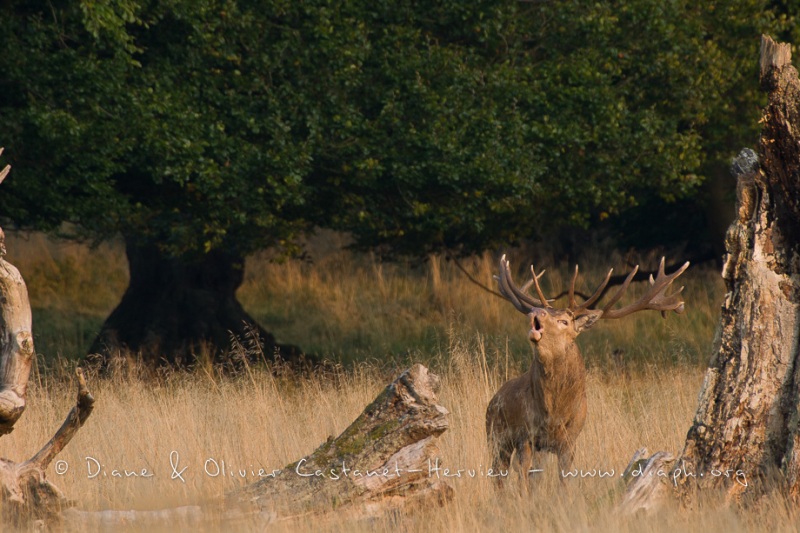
[524, 461]
[565, 456]
[501, 458]
[524, 456]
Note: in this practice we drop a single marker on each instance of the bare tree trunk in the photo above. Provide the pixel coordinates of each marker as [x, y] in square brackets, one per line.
[745, 437]
[25, 493]
[16, 342]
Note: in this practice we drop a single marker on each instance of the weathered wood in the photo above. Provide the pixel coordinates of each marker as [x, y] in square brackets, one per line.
[647, 492]
[25, 492]
[16, 342]
[6, 170]
[747, 415]
[774, 56]
[382, 460]
[386, 459]
[747, 422]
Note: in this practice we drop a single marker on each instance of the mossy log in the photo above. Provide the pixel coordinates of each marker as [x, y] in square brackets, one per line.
[385, 460]
[745, 437]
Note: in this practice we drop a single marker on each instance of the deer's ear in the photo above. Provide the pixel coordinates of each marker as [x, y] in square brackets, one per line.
[586, 321]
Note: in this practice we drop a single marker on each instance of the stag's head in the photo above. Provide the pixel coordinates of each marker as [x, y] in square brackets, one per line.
[554, 329]
[558, 327]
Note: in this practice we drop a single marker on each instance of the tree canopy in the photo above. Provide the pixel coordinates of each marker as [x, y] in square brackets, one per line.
[210, 124]
[203, 130]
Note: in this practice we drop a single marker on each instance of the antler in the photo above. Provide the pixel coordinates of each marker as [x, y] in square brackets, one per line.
[654, 298]
[582, 308]
[518, 297]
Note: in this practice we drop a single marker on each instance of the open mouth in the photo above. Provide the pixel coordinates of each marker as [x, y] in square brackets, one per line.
[536, 329]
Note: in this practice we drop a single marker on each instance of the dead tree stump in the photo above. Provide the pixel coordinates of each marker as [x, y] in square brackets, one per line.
[25, 492]
[745, 437]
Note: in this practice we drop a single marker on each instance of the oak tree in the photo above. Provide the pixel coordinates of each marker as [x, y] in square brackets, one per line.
[204, 130]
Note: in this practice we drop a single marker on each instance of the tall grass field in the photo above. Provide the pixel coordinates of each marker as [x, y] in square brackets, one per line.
[372, 320]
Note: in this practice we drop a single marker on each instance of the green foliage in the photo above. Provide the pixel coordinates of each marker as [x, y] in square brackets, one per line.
[222, 124]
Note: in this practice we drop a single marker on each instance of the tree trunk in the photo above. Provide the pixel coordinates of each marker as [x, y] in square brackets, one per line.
[745, 438]
[16, 342]
[16, 337]
[173, 307]
[386, 459]
[25, 493]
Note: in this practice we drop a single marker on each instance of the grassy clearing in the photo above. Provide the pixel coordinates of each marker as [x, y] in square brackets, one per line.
[353, 308]
[644, 376]
[259, 420]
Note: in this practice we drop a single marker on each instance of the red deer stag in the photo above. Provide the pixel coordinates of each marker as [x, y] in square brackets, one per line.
[545, 408]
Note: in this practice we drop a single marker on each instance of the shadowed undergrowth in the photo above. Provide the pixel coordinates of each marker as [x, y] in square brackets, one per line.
[351, 307]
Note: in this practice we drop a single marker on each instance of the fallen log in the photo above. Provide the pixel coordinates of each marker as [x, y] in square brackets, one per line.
[381, 462]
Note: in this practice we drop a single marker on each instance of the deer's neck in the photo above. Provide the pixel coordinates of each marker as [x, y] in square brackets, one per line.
[558, 375]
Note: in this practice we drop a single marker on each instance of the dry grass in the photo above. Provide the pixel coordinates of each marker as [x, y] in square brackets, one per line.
[257, 420]
[644, 377]
[72, 289]
[353, 308]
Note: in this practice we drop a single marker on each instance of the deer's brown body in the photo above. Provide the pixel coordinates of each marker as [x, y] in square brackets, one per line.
[545, 408]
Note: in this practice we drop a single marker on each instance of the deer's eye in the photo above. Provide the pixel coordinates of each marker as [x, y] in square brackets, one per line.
[563, 322]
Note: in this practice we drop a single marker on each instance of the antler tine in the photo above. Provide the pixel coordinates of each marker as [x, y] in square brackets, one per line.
[525, 288]
[539, 292]
[522, 293]
[595, 295]
[505, 289]
[621, 291]
[511, 292]
[654, 298]
[572, 289]
[599, 292]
